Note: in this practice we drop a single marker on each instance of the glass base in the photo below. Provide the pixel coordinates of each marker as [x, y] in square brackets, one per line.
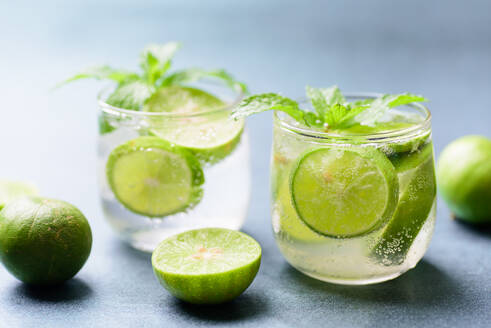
[361, 281]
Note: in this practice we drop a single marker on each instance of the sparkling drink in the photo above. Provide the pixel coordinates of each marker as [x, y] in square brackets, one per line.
[355, 207]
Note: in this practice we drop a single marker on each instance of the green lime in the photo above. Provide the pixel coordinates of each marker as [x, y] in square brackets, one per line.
[409, 160]
[464, 178]
[207, 266]
[211, 136]
[416, 199]
[10, 190]
[290, 225]
[344, 192]
[182, 100]
[43, 241]
[151, 177]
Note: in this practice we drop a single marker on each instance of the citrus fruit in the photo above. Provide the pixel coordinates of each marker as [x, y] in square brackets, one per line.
[151, 177]
[207, 266]
[464, 178]
[417, 187]
[204, 128]
[290, 224]
[10, 190]
[344, 192]
[43, 241]
[182, 100]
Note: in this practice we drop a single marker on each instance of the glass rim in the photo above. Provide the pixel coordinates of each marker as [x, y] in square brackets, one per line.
[114, 110]
[306, 132]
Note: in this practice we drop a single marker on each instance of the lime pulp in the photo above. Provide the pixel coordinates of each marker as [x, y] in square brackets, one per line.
[204, 127]
[207, 266]
[151, 177]
[344, 192]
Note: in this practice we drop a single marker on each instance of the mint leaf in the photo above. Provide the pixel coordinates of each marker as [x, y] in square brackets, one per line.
[195, 74]
[131, 96]
[380, 106]
[335, 114]
[102, 73]
[155, 60]
[323, 99]
[405, 98]
[268, 101]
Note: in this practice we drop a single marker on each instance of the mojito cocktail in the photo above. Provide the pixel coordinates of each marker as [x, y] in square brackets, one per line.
[353, 198]
[170, 159]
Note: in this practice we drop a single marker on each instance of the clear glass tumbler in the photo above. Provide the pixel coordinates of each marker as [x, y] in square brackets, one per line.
[355, 208]
[162, 173]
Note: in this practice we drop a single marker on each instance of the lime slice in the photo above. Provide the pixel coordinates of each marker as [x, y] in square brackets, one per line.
[181, 100]
[344, 192]
[153, 178]
[207, 266]
[10, 190]
[290, 225]
[211, 136]
[417, 195]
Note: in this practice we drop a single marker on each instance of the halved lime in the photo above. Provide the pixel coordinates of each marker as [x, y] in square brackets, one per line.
[211, 135]
[207, 266]
[10, 190]
[344, 192]
[151, 177]
[417, 195]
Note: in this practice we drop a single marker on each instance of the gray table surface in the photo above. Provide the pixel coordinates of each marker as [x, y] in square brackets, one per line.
[441, 49]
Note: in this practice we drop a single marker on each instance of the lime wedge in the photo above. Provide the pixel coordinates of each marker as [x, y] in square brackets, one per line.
[207, 266]
[10, 190]
[211, 136]
[344, 192]
[153, 178]
[416, 199]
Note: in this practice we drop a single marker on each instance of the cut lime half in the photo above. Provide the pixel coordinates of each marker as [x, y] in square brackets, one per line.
[344, 192]
[205, 128]
[10, 190]
[207, 266]
[153, 178]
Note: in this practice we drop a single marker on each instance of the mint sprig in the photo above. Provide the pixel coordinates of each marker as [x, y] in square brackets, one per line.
[133, 89]
[331, 110]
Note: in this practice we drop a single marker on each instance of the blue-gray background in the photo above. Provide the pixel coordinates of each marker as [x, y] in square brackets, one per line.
[441, 49]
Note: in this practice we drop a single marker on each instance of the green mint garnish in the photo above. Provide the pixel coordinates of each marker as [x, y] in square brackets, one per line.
[133, 89]
[331, 110]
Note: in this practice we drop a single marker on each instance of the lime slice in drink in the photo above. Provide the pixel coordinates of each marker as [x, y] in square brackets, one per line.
[290, 225]
[344, 192]
[10, 190]
[207, 266]
[153, 178]
[417, 195]
[211, 135]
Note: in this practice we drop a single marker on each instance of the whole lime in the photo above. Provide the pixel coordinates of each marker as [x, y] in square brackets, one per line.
[464, 178]
[43, 241]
